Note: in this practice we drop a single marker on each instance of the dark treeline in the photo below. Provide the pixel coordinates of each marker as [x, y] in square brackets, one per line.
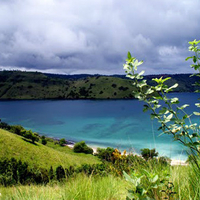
[14, 172]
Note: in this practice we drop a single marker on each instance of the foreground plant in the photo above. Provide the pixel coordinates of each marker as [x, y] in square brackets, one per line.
[146, 185]
[172, 117]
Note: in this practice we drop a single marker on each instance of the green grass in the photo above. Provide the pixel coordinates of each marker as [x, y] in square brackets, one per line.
[100, 188]
[185, 179]
[186, 182]
[78, 188]
[14, 146]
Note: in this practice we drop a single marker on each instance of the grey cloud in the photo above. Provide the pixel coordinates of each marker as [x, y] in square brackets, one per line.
[95, 36]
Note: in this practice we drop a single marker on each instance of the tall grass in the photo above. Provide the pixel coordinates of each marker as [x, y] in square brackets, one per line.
[186, 181]
[80, 187]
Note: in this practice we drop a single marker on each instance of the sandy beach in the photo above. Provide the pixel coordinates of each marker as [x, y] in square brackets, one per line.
[174, 162]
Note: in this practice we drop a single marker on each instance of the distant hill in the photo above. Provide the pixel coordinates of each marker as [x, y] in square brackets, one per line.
[44, 156]
[36, 85]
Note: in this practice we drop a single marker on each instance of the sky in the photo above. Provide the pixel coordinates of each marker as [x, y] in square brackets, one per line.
[94, 36]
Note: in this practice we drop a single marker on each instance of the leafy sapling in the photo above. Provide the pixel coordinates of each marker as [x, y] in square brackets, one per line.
[172, 117]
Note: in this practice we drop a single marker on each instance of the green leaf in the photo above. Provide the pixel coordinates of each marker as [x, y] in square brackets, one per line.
[183, 106]
[129, 55]
[146, 107]
[194, 42]
[195, 135]
[172, 87]
[196, 143]
[154, 116]
[155, 179]
[188, 58]
[169, 116]
[163, 111]
[129, 179]
[197, 104]
[126, 67]
[168, 78]
[141, 84]
[141, 73]
[149, 91]
[185, 117]
[196, 113]
[174, 100]
[194, 59]
[131, 195]
[136, 64]
[156, 80]
[158, 88]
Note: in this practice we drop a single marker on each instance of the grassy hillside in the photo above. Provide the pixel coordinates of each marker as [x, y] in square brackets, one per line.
[101, 188]
[153, 175]
[14, 146]
[79, 188]
[35, 85]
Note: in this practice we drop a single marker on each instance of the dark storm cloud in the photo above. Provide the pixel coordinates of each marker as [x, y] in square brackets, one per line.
[94, 36]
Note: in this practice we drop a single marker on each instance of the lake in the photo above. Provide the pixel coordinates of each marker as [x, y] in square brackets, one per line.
[115, 123]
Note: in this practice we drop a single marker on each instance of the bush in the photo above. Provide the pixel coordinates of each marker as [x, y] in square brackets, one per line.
[148, 153]
[17, 129]
[81, 147]
[44, 141]
[4, 125]
[95, 169]
[62, 142]
[164, 160]
[32, 136]
[14, 172]
[60, 173]
[105, 154]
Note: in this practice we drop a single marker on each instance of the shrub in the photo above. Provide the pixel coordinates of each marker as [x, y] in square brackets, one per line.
[44, 141]
[105, 154]
[164, 160]
[17, 129]
[97, 169]
[32, 136]
[62, 142]
[14, 172]
[51, 173]
[4, 125]
[60, 173]
[148, 153]
[81, 147]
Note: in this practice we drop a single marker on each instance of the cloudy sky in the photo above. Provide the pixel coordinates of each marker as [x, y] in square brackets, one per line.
[94, 36]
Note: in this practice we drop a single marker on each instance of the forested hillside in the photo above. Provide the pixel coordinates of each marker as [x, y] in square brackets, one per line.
[35, 85]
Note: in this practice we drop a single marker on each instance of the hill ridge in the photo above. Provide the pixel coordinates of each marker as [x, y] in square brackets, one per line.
[37, 85]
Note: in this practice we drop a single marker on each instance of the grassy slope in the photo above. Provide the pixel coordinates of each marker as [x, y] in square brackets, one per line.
[30, 85]
[33, 85]
[12, 145]
[79, 188]
[102, 87]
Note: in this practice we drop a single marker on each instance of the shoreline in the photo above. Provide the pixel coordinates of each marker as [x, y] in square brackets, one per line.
[71, 143]
[174, 162]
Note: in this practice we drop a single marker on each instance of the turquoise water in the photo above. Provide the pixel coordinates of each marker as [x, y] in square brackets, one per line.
[115, 123]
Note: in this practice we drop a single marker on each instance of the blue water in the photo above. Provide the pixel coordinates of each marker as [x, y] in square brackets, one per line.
[116, 123]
